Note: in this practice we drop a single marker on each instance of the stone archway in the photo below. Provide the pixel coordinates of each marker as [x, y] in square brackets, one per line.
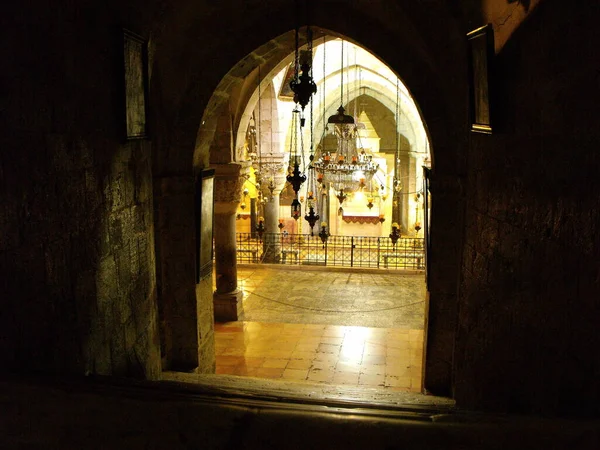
[199, 108]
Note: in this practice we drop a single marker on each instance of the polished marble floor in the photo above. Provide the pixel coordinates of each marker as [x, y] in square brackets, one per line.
[368, 298]
[352, 328]
[346, 355]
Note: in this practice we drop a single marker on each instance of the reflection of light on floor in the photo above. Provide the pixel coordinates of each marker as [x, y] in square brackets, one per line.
[330, 354]
[306, 349]
[354, 343]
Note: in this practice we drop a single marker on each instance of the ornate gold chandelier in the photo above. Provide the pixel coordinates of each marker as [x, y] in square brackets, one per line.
[347, 168]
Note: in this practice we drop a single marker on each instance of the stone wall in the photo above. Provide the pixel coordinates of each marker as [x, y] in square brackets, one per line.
[78, 289]
[530, 287]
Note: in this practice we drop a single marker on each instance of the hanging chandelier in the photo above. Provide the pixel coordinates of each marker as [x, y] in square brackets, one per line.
[347, 168]
[269, 166]
[303, 85]
[304, 88]
[397, 166]
[296, 176]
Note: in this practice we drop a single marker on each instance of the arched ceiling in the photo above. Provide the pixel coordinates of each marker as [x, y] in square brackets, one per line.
[362, 73]
[199, 65]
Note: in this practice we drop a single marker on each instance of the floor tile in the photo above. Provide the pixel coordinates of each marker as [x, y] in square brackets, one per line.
[375, 360]
[398, 370]
[268, 372]
[332, 340]
[329, 348]
[299, 344]
[229, 360]
[371, 380]
[299, 364]
[394, 381]
[347, 367]
[331, 358]
[372, 370]
[295, 374]
[278, 354]
[345, 378]
[303, 355]
[322, 376]
[250, 361]
[275, 363]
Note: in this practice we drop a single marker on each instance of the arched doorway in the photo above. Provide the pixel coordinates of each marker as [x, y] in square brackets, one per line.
[203, 119]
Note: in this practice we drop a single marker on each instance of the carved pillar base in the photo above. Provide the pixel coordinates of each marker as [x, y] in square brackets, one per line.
[229, 306]
[227, 299]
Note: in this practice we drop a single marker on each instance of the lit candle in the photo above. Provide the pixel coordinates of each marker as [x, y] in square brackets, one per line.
[323, 224]
[395, 225]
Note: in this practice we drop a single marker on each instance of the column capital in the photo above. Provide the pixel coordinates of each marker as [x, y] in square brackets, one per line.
[272, 168]
[229, 180]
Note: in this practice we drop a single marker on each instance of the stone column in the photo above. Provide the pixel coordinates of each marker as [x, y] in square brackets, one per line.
[227, 299]
[271, 242]
[274, 175]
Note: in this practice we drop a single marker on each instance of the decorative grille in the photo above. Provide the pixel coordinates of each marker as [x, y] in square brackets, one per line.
[342, 251]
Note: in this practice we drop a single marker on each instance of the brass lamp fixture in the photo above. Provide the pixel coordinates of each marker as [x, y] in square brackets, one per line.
[295, 176]
[323, 234]
[304, 88]
[303, 85]
[369, 202]
[311, 217]
[345, 168]
[296, 209]
[245, 193]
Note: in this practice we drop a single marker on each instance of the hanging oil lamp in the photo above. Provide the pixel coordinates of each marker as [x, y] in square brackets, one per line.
[296, 178]
[323, 234]
[303, 85]
[311, 217]
[296, 209]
